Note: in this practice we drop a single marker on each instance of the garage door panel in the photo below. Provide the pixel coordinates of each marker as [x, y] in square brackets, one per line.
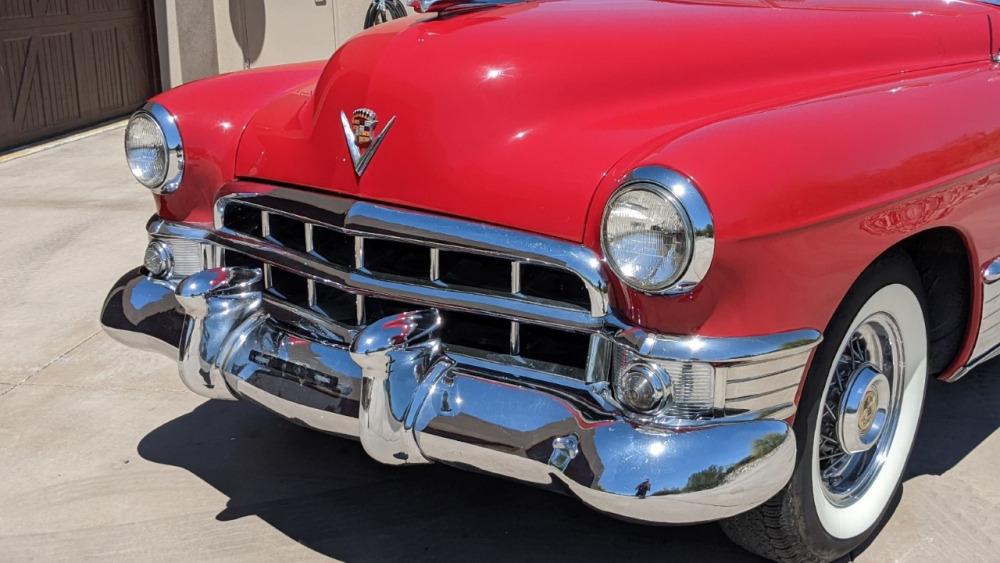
[135, 70]
[65, 12]
[106, 51]
[15, 9]
[67, 63]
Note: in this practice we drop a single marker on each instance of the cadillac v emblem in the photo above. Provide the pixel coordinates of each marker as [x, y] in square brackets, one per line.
[359, 131]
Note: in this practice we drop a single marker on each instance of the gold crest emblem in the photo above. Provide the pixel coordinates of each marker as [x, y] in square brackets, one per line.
[364, 122]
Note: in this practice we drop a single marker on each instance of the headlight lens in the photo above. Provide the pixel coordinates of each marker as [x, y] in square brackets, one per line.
[647, 237]
[146, 151]
[153, 149]
[657, 233]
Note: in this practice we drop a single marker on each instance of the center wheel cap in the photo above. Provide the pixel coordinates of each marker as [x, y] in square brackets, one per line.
[864, 409]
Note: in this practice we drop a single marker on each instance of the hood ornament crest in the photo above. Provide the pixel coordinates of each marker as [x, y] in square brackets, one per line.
[359, 131]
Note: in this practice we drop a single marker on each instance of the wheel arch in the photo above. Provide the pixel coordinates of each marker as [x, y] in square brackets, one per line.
[944, 259]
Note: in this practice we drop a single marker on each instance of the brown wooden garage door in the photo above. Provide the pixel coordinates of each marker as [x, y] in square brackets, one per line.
[69, 63]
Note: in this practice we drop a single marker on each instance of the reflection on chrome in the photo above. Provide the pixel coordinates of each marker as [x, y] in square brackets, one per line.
[408, 402]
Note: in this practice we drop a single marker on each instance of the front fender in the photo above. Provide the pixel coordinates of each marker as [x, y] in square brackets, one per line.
[806, 195]
[212, 115]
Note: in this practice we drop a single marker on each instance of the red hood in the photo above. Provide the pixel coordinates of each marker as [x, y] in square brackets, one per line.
[513, 115]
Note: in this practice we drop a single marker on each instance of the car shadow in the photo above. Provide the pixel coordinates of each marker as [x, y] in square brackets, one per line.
[326, 494]
[957, 418]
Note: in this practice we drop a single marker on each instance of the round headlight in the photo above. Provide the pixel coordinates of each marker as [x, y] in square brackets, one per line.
[153, 149]
[657, 233]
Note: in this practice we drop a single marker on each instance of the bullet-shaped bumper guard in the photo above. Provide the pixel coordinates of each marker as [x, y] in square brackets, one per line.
[409, 403]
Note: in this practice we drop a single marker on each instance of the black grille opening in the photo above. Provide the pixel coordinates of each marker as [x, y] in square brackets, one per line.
[397, 258]
[243, 219]
[334, 247]
[476, 331]
[377, 308]
[550, 283]
[235, 259]
[554, 346]
[338, 305]
[472, 270]
[290, 287]
[287, 232]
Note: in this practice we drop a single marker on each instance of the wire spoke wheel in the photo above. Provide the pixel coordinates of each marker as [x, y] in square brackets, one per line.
[860, 410]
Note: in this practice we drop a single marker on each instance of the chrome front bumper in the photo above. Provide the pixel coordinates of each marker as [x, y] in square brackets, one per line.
[409, 403]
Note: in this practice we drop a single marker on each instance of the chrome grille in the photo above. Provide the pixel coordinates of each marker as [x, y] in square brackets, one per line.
[322, 240]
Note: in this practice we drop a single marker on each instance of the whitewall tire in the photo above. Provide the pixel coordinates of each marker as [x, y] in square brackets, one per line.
[857, 420]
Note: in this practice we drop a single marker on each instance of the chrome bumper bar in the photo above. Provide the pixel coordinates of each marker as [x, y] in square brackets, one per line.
[409, 403]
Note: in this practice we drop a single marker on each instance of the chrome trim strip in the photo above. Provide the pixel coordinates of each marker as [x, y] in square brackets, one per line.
[310, 242]
[435, 274]
[265, 224]
[311, 292]
[719, 350]
[515, 278]
[743, 388]
[359, 253]
[599, 359]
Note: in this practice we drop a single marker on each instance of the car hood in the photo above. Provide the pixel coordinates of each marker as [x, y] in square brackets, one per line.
[514, 115]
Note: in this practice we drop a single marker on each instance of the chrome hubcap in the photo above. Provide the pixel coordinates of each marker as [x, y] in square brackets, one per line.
[864, 409]
[860, 409]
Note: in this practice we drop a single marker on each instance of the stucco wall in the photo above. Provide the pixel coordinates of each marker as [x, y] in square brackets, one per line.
[198, 38]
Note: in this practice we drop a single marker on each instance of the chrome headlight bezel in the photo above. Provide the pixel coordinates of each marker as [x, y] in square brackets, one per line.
[173, 147]
[681, 192]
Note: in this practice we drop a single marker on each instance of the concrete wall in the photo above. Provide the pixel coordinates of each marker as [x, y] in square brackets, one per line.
[198, 38]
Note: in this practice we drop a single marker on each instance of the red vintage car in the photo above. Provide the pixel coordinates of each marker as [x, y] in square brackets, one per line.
[686, 260]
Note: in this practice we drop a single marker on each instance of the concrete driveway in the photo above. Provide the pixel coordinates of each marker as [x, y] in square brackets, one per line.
[104, 455]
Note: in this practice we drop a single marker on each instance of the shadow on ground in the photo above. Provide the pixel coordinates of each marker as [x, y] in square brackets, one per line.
[324, 493]
[957, 418]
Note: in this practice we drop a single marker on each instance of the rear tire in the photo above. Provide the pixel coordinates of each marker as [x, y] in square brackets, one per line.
[839, 493]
